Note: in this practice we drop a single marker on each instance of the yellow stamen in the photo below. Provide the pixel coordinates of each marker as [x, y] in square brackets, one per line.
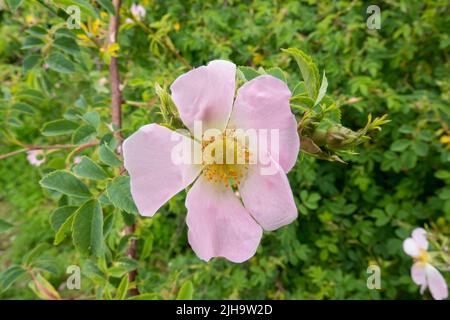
[424, 257]
[225, 159]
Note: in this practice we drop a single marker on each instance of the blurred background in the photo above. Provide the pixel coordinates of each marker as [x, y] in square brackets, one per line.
[350, 215]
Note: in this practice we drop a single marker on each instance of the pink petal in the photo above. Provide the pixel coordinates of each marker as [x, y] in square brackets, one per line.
[411, 248]
[418, 273]
[32, 157]
[219, 226]
[206, 94]
[155, 178]
[263, 103]
[268, 197]
[420, 237]
[436, 282]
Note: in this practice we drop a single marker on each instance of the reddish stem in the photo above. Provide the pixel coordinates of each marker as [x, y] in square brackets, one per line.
[116, 114]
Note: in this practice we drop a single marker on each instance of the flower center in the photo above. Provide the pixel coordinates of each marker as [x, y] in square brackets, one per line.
[226, 158]
[423, 257]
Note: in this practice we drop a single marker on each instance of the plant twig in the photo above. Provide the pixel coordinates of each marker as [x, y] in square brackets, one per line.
[139, 104]
[26, 148]
[116, 114]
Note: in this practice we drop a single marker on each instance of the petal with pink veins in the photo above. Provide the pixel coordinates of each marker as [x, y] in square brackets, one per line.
[206, 94]
[219, 225]
[155, 176]
[268, 196]
[263, 103]
[436, 283]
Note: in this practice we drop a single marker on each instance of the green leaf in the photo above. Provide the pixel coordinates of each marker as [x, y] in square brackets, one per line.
[58, 62]
[120, 195]
[30, 62]
[93, 118]
[108, 6]
[66, 183]
[248, 73]
[64, 229]
[67, 44]
[108, 157]
[84, 134]
[60, 215]
[23, 107]
[421, 148]
[87, 229]
[303, 100]
[299, 89]
[32, 42]
[442, 174]
[14, 4]
[84, 5]
[89, 169]
[58, 127]
[37, 31]
[146, 296]
[186, 291]
[9, 276]
[277, 73]
[5, 226]
[308, 70]
[33, 255]
[122, 289]
[44, 289]
[400, 145]
[322, 90]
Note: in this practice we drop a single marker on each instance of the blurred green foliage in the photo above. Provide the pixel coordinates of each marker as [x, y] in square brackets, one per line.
[350, 215]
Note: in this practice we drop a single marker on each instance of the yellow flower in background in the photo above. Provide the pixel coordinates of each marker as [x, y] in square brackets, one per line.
[113, 49]
[445, 140]
[30, 19]
[92, 27]
[110, 51]
[177, 26]
[257, 58]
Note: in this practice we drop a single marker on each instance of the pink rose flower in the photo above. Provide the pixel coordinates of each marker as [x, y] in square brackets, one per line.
[35, 157]
[221, 223]
[422, 272]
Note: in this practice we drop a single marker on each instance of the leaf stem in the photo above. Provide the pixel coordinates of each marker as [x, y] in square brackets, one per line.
[51, 147]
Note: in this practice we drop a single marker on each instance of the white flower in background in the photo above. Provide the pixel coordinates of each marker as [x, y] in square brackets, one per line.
[137, 11]
[36, 157]
[102, 81]
[422, 272]
[77, 159]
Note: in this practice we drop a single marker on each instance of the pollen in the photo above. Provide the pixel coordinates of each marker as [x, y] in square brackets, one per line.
[226, 159]
[423, 257]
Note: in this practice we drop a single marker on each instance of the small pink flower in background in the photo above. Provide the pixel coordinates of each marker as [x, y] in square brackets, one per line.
[36, 157]
[422, 272]
[221, 223]
[77, 159]
[137, 11]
